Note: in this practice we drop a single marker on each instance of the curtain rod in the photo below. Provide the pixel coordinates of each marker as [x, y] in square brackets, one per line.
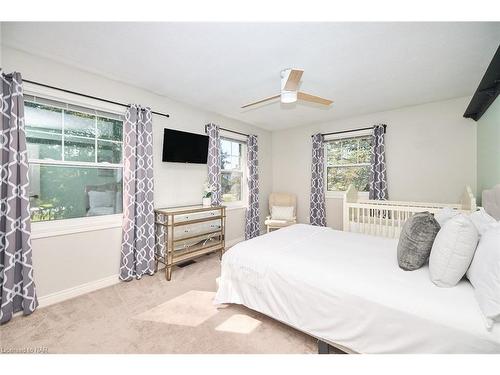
[88, 96]
[235, 132]
[350, 131]
[230, 131]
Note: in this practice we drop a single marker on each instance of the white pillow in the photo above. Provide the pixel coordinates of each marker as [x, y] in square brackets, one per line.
[445, 214]
[452, 251]
[101, 198]
[282, 213]
[482, 220]
[484, 274]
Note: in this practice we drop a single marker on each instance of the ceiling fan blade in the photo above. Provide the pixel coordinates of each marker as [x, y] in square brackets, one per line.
[261, 101]
[313, 99]
[292, 83]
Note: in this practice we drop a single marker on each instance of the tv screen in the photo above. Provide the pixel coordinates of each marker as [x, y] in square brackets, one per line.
[182, 147]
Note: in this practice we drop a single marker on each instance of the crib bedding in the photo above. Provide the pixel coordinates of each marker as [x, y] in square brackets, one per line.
[346, 288]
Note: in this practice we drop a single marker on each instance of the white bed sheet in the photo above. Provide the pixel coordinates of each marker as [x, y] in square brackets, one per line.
[347, 288]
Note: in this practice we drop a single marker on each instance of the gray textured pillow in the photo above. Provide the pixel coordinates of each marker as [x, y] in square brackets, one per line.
[416, 239]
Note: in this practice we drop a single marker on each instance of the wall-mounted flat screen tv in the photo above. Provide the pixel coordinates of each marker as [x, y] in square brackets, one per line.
[183, 147]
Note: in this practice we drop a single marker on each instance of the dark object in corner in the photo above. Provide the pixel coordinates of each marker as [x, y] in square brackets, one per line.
[325, 348]
[186, 263]
[488, 90]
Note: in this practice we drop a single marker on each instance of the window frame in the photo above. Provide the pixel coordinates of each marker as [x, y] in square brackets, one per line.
[336, 194]
[43, 229]
[243, 203]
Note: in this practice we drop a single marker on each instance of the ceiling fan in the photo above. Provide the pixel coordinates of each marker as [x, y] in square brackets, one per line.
[290, 79]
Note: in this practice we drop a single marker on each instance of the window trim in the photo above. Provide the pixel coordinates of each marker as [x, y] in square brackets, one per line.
[52, 94]
[65, 137]
[51, 228]
[243, 203]
[336, 194]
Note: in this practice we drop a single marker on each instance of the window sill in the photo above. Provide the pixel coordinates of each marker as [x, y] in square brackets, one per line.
[340, 194]
[70, 226]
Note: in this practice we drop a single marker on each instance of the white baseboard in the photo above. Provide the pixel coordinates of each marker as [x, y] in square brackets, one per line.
[76, 291]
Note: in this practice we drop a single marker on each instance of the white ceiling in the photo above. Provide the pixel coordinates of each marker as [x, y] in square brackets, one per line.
[363, 67]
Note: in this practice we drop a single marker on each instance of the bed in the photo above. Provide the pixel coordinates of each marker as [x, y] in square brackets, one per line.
[346, 289]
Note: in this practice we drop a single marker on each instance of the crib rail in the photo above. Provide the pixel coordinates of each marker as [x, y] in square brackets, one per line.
[386, 218]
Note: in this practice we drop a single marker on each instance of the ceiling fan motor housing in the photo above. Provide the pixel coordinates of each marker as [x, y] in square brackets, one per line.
[286, 95]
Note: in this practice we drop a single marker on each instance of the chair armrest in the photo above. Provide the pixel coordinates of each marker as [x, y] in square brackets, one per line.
[268, 217]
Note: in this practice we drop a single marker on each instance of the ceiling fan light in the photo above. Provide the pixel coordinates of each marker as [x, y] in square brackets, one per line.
[288, 96]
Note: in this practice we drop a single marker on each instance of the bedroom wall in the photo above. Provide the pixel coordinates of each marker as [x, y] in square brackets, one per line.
[430, 152]
[488, 148]
[81, 260]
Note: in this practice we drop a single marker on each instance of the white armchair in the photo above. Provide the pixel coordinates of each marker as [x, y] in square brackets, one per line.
[281, 200]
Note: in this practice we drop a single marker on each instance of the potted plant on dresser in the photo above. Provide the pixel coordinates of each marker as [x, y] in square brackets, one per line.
[207, 195]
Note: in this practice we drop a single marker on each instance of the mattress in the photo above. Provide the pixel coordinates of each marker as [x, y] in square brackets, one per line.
[347, 289]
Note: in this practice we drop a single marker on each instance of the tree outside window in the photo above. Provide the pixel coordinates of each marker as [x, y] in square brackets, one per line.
[75, 160]
[348, 162]
[231, 170]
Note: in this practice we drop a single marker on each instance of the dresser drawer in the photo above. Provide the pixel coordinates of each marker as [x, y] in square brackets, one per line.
[190, 230]
[195, 216]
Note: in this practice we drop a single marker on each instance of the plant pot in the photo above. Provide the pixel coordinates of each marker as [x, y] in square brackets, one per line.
[206, 202]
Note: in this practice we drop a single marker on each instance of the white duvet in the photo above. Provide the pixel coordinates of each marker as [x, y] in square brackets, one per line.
[347, 288]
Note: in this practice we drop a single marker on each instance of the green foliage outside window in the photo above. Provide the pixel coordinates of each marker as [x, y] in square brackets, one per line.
[66, 150]
[348, 162]
[231, 170]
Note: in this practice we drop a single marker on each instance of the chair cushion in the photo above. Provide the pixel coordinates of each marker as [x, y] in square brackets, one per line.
[279, 223]
[416, 239]
[282, 212]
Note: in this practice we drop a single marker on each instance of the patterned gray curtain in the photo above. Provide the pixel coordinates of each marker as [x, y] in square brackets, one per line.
[137, 254]
[17, 288]
[317, 209]
[252, 225]
[213, 163]
[378, 179]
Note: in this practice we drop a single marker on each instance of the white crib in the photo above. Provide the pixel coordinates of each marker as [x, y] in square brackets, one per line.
[386, 218]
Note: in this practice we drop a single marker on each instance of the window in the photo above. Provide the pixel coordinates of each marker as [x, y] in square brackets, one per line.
[232, 170]
[348, 162]
[75, 160]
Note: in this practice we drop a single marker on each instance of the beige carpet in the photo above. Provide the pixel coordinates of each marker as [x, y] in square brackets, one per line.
[153, 315]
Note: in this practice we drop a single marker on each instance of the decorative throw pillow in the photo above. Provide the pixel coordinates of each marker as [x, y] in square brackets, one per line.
[282, 212]
[482, 220]
[415, 240]
[452, 251]
[445, 214]
[484, 274]
[101, 198]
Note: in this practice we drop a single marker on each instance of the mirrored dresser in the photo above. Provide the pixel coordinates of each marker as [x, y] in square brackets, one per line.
[188, 232]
